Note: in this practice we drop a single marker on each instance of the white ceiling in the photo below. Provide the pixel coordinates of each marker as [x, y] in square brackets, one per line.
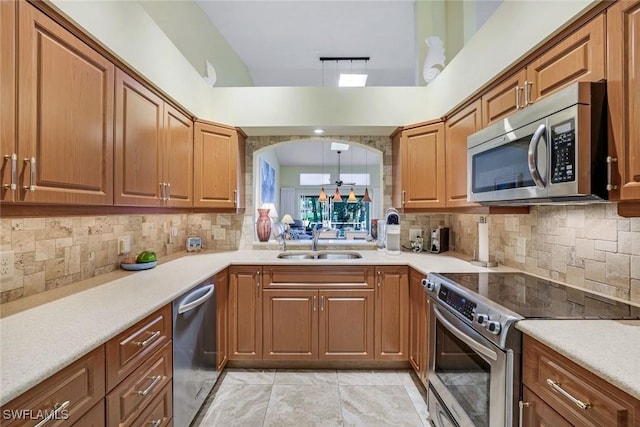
[281, 41]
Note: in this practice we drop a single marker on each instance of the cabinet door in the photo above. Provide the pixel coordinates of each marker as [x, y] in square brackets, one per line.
[346, 325]
[65, 115]
[245, 313]
[290, 324]
[537, 413]
[458, 127]
[422, 152]
[623, 79]
[418, 339]
[222, 317]
[503, 99]
[217, 152]
[579, 57]
[139, 143]
[8, 142]
[178, 158]
[392, 313]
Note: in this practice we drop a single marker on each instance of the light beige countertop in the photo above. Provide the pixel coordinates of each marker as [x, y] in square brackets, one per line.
[38, 342]
[608, 348]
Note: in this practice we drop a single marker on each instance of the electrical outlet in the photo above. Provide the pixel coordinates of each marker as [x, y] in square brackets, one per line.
[7, 265]
[414, 233]
[124, 245]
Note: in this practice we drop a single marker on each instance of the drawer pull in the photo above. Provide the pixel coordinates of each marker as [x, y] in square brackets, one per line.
[57, 408]
[555, 385]
[13, 157]
[146, 391]
[144, 343]
[155, 423]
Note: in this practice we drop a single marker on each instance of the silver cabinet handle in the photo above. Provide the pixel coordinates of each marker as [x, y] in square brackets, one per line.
[162, 191]
[517, 97]
[322, 303]
[258, 279]
[527, 93]
[144, 343]
[168, 195]
[403, 197]
[13, 157]
[235, 197]
[146, 391]
[155, 423]
[531, 156]
[610, 185]
[32, 174]
[379, 281]
[314, 303]
[57, 408]
[555, 385]
[521, 406]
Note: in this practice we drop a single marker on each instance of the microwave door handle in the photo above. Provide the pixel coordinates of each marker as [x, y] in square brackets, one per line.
[531, 157]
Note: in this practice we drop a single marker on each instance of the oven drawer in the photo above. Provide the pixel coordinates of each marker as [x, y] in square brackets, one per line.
[575, 393]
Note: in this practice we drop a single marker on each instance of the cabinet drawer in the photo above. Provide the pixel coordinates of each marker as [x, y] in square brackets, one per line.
[607, 405]
[126, 351]
[160, 411]
[94, 418]
[73, 391]
[318, 276]
[126, 402]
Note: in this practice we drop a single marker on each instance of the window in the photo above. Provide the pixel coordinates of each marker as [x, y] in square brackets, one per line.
[343, 216]
[315, 179]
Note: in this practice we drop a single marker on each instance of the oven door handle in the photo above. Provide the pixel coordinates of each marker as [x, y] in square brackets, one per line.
[531, 156]
[485, 351]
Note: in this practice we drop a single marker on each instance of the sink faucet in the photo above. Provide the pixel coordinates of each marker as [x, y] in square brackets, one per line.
[283, 241]
[316, 235]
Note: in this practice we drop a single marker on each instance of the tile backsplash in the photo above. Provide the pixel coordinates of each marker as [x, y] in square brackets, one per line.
[55, 251]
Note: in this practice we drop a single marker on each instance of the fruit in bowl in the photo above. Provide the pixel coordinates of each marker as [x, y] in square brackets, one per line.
[129, 260]
[146, 256]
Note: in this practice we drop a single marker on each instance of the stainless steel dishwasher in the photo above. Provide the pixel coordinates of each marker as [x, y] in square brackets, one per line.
[194, 350]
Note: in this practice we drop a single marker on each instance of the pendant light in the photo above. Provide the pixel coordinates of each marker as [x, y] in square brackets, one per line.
[366, 198]
[323, 196]
[352, 194]
[336, 196]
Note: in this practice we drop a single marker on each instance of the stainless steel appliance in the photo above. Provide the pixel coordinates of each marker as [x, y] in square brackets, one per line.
[475, 349]
[194, 350]
[439, 240]
[392, 233]
[552, 151]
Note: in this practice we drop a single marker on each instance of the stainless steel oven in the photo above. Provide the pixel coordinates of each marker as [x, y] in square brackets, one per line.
[475, 361]
[471, 378]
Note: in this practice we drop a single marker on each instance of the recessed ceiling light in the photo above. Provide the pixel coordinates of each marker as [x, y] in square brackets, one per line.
[352, 80]
[318, 131]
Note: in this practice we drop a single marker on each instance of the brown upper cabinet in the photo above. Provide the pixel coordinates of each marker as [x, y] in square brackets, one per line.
[581, 56]
[219, 166]
[457, 128]
[61, 150]
[154, 148]
[623, 33]
[418, 167]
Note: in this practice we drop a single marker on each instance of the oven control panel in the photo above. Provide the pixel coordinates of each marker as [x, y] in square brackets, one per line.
[457, 302]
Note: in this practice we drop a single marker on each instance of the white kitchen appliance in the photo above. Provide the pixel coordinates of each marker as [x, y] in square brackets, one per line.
[393, 232]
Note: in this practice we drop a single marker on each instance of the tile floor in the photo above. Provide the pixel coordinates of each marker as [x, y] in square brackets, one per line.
[253, 398]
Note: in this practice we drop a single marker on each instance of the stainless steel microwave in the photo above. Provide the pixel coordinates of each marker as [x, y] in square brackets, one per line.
[552, 151]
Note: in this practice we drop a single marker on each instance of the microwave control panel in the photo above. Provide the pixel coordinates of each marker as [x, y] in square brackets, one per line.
[563, 152]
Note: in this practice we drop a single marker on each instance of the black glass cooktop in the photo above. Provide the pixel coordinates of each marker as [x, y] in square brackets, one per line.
[533, 297]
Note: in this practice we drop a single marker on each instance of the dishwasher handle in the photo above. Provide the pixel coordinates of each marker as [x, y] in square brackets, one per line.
[190, 305]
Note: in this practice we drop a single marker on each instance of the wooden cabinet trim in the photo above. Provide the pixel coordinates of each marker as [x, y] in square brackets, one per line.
[318, 277]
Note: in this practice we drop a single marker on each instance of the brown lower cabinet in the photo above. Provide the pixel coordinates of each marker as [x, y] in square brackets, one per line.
[392, 313]
[556, 388]
[222, 319]
[245, 313]
[418, 326]
[67, 396]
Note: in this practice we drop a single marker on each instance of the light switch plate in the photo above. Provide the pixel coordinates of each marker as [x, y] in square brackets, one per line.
[124, 245]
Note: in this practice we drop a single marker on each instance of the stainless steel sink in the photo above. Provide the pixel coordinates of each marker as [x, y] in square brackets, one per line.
[319, 255]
